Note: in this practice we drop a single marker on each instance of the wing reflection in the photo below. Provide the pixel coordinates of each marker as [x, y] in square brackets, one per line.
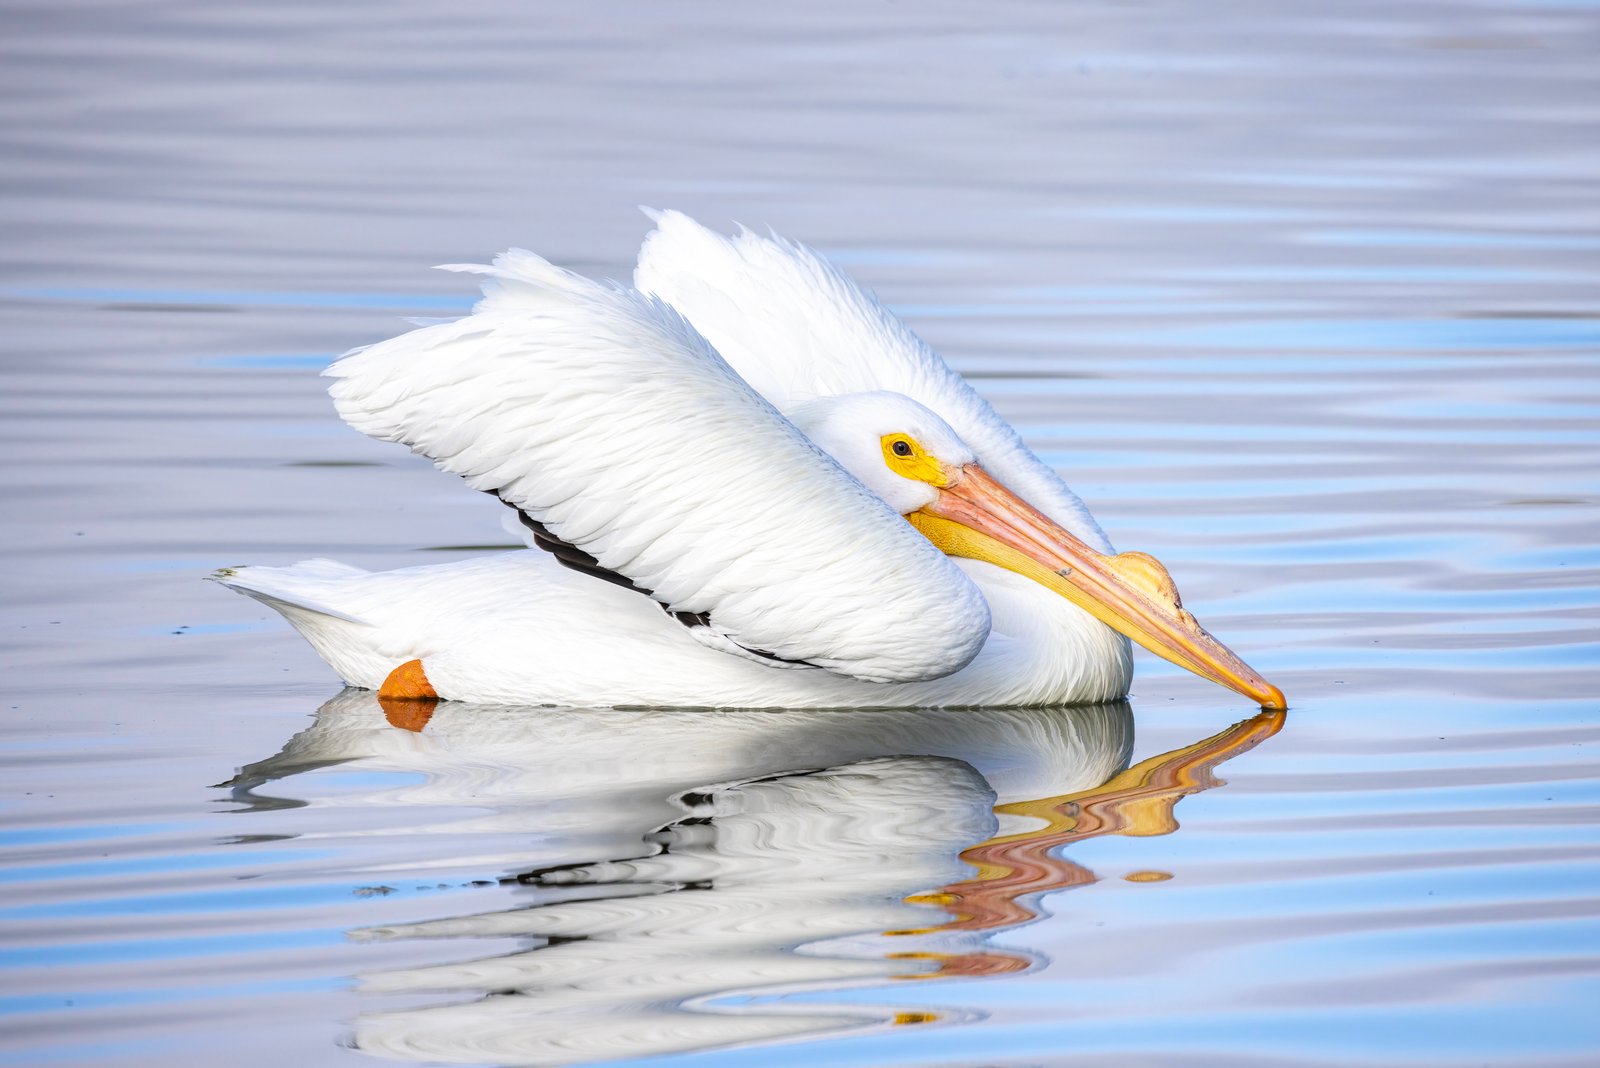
[736, 856]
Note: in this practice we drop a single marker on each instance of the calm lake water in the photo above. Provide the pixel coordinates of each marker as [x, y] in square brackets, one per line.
[1303, 299]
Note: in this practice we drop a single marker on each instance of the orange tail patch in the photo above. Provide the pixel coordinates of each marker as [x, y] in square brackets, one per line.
[407, 697]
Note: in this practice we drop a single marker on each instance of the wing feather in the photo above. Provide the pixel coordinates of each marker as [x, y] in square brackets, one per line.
[797, 329]
[601, 414]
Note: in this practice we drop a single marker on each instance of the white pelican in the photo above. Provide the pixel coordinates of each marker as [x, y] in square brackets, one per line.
[727, 498]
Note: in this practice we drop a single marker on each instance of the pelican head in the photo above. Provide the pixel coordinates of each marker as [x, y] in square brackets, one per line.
[914, 461]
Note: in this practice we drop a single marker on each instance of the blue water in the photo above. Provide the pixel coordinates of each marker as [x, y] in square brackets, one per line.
[1305, 302]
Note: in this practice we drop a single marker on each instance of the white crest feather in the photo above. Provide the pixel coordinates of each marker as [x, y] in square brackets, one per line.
[797, 329]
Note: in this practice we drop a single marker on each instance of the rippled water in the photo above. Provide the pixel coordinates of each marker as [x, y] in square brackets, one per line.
[1302, 301]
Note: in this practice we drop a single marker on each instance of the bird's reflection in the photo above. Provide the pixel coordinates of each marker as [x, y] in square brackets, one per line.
[686, 868]
[1138, 801]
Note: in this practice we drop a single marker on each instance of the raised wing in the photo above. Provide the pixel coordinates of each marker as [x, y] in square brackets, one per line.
[798, 329]
[603, 416]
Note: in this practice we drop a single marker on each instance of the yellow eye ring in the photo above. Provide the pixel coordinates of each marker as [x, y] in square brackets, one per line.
[907, 459]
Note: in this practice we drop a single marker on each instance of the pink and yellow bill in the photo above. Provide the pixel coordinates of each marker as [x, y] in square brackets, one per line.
[975, 516]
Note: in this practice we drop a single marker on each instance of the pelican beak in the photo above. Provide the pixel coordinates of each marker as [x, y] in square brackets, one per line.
[975, 516]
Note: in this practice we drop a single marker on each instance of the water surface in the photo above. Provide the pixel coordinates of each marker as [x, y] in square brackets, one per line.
[1301, 301]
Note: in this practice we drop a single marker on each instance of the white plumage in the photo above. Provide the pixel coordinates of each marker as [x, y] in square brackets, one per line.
[518, 628]
[582, 405]
[796, 328]
[769, 562]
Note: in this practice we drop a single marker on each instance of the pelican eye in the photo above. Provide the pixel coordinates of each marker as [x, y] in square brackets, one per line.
[907, 458]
